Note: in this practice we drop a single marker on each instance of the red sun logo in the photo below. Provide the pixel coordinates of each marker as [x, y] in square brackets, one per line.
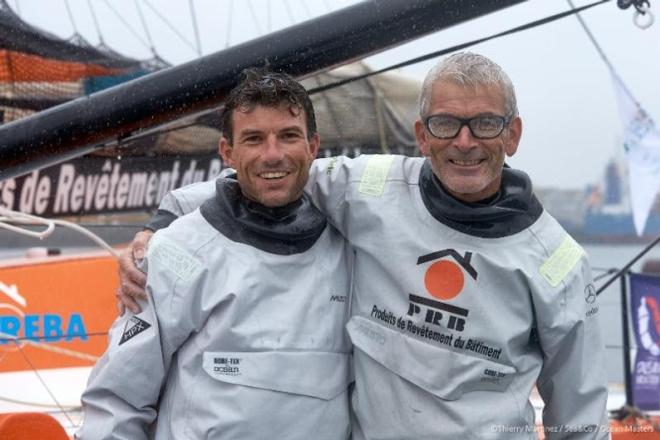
[444, 279]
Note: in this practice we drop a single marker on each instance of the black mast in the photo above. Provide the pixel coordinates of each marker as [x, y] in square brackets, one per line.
[85, 124]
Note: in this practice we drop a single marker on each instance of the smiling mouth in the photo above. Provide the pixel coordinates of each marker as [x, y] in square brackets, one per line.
[466, 163]
[273, 175]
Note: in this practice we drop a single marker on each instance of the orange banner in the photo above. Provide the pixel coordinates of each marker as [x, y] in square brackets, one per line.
[55, 313]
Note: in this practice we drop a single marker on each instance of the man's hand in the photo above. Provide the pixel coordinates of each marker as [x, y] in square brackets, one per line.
[131, 279]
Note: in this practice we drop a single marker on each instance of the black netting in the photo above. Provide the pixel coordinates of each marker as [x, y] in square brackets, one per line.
[39, 70]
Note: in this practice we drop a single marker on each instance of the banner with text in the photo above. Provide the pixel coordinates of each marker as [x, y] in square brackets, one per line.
[645, 307]
[642, 146]
[94, 185]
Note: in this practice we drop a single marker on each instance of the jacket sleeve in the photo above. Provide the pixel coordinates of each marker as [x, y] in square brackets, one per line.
[329, 184]
[573, 380]
[121, 399]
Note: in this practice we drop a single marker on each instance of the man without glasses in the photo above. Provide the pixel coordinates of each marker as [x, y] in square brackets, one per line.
[240, 337]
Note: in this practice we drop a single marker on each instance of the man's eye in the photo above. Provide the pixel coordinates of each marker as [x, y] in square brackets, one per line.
[487, 122]
[252, 140]
[291, 135]
[445, 123]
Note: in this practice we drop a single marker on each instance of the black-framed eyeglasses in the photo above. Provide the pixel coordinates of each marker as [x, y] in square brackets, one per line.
[482, 127]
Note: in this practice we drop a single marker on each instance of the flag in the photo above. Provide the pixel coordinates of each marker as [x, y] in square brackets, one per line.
[642, 145]
[645, 310]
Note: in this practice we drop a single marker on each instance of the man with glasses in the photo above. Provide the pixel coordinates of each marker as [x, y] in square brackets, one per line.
[467, 293]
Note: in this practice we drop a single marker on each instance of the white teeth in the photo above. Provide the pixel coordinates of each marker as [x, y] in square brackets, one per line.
[466, 163]
[273, 175]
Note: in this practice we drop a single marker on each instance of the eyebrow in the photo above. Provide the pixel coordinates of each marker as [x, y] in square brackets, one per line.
[252, 131]
[293, 128]
[249, 132]
[470, 117]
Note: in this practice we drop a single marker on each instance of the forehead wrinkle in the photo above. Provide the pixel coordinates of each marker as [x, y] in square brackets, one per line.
[466, 101]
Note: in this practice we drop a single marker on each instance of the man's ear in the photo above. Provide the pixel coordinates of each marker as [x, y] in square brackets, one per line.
[422, 138]
[513, 139]
[226, 152]
[314, 145]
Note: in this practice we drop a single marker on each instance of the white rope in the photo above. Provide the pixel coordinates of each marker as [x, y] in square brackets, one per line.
[50, 347]
[193, 16]
[43, 382]
[254, 17]
[8, 216]
[73, 22]
[39, 404]
[96, 22]
[230, 20]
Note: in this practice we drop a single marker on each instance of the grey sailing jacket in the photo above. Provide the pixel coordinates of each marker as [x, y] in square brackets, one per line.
[235, 342]
[459, 310]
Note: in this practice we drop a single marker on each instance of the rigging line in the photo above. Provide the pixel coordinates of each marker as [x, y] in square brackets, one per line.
[342, 82]
[73, 22]
[289, 12]
[170, 25]
[603, 275]
[603, 269]
[38, 404]
[618, 347]
[146, 28]
[10, 220]
[193, 15]
[96, 22]
[438, 53]
[133, 138]
[49, 347]
[125, 23]
[306, 8]
[229, 22]
[254, 17]
[36, 372]
[600, 51]
[111, 226]
[627, 267]
[4, 338]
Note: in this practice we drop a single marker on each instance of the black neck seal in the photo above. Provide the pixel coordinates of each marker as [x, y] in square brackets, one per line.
[283, 230]
[513, 209]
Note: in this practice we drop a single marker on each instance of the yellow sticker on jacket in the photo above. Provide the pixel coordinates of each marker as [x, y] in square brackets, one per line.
[561, 262]
[375, 174]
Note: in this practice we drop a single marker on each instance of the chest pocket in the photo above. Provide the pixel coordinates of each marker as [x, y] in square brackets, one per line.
[441, 372]
[323, 375]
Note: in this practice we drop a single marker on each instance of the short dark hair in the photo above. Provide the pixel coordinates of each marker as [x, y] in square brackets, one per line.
[260, 86]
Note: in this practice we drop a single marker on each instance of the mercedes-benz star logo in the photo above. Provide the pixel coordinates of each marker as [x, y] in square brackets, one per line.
[590, 294]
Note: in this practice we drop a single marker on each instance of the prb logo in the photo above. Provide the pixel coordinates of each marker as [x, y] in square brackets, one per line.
[444, 280]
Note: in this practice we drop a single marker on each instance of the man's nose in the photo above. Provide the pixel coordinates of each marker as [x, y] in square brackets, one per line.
[464, 139]
[272, 151]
